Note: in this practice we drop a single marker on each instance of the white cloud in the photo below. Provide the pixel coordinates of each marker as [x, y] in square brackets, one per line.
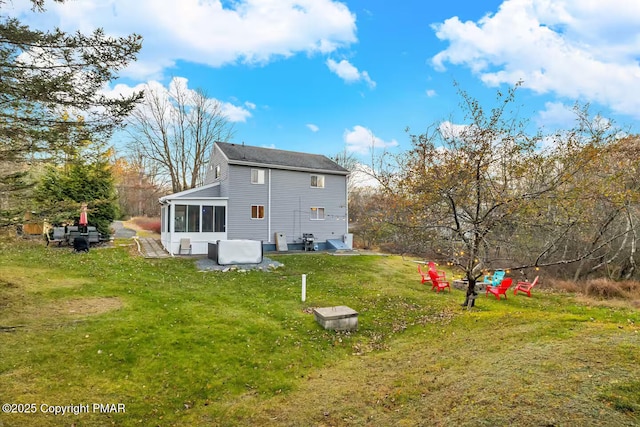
[350, 74]
[233, 113]
[556, 115]
[363, 177]
[431, 93]
[578, 49]
[211, 32]
[362, 140]
[451, 130]
[312, 127]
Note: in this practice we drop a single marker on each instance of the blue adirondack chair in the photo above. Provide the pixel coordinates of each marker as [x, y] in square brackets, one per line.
[494, 280]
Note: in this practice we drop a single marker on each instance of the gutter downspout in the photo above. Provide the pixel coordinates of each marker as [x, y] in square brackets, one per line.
[171, 220]
[346, 211]
[269, 210]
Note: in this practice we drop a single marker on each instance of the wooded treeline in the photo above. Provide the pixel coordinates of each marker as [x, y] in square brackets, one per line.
[490, 195]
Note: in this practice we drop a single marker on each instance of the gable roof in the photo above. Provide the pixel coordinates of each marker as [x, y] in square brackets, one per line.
[240, 154]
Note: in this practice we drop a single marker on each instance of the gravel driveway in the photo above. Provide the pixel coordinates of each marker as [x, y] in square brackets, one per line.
[120, 232]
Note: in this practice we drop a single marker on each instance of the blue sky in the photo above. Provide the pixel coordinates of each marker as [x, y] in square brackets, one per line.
[321, 76]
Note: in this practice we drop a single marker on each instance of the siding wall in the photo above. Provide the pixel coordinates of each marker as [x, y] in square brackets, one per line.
[218, 159]
[243, 195]
[289, 210]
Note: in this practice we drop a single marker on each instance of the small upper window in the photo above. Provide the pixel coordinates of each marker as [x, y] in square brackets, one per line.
[317, 181]
[257, 176]
[216, 171]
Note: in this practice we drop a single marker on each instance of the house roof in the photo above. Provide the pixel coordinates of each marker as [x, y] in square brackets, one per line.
[205, 191]
[240, 154]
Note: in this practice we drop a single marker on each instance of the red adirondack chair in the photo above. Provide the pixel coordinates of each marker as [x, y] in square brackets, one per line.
[423, 274]
[501, 289]
[438, 282]
[432, 267]
[525, 287]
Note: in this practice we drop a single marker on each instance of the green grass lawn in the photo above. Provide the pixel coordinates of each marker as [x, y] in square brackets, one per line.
[181, 347]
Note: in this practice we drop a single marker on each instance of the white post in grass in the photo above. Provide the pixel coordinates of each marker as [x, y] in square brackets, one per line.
[304, 287]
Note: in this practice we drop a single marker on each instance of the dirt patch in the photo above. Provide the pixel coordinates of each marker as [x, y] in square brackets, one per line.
[7, 284]
[37, 279]
[85, 306]
[16, 315]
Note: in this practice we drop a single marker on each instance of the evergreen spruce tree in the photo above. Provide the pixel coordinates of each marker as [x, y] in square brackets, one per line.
[51, 97]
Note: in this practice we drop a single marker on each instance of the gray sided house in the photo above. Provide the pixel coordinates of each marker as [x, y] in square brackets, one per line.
[259, 193]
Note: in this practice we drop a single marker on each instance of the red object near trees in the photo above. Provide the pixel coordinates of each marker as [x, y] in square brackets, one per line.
[501, 289]
[432, 267]
[424, 275]
[525, 287]
[438, 282]
[83, 216]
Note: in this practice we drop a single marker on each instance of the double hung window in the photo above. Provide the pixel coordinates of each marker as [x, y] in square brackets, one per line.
[317, 214]
[317, 181]
[257, 176]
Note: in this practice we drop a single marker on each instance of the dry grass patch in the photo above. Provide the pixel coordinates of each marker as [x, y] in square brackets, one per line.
[83, 306]
[27, 298]
[37, 315]
[563, 285]
[37, 279]
[608, 289]
[601, 291]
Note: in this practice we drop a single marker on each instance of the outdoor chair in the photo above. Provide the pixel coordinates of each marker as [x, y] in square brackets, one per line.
[496, 279]
[501, 289]
[56, 236]
[438, 282]
[432, 267]
[185, 245]
[525, 287]
[424, 275]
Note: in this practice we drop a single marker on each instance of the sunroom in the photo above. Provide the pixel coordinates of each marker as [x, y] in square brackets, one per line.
[197, 216]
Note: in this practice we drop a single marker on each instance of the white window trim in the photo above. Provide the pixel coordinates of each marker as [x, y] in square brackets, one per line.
[316, 209]
[318, 178]
[217, 171]
[258, 211]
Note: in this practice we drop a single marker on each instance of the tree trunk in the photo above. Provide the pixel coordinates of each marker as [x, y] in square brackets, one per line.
[470, 298]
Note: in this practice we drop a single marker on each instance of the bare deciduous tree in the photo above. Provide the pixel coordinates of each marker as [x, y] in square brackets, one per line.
[176, 129]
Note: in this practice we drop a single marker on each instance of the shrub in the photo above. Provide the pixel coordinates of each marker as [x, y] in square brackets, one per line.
[598, 288]
[149, 224]
[604, 288]
[630, 287]
[563, 285]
